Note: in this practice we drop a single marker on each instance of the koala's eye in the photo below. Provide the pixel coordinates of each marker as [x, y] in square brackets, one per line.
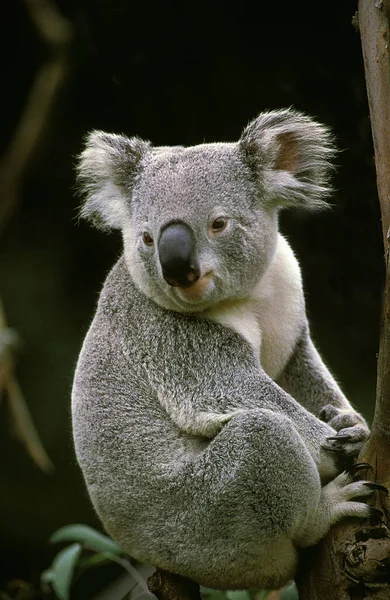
[219, 224]
[147, 239]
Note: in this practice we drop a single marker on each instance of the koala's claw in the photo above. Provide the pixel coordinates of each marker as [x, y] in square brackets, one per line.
[344, 437]
[355, 468]
[348, 440]
[347, 498]
[328, 412]
[334, 448]
[376, 516]
[345, 422]
[377, 486]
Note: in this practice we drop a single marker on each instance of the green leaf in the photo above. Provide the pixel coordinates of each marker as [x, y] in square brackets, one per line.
[209, 594]
[137, 577]
[238, 595]
[62, 568]
[264, 595]
[88, 537]
[290, 593]
[93, 560]
[47, 576]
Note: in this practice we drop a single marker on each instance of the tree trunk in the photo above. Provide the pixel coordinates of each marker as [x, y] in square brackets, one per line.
[353, 561]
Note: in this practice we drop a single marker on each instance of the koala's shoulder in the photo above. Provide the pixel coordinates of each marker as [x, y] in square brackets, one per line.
[120, 309]
[125, 311]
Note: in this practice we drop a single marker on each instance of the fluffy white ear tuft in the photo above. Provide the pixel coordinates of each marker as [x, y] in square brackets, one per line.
[105, 174]
[291, 156]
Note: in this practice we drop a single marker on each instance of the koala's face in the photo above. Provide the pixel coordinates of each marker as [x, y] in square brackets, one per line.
[196, 232]
[200, 224]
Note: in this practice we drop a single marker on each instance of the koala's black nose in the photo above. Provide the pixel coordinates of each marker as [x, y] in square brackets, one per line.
[176, 250]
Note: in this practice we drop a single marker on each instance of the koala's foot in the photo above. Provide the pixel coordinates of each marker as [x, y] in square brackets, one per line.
[352, 431]
[340, 498]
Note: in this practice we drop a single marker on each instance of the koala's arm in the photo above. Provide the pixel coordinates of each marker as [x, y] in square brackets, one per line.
[205, 374]
[308, 380]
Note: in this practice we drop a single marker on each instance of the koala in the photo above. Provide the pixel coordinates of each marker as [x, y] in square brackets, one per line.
[211, 435]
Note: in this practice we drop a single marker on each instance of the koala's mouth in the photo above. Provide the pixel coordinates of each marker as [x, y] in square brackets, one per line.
[197, 290]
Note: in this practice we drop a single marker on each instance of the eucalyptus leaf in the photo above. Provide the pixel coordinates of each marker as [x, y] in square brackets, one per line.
[93, 560]
[238, 595]
[62, 568]
[87, 536]
[47, 576]
[137, 577]
[263, 595]
[209, 594]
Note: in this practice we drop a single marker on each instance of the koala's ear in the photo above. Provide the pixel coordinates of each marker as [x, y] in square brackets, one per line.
[106, 170]
[290, 155]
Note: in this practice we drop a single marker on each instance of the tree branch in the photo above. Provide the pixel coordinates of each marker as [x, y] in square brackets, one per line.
[56, 32]
[167, 586]
[24, 426]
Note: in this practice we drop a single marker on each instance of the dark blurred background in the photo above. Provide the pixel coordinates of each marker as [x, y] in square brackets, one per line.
[175, 73]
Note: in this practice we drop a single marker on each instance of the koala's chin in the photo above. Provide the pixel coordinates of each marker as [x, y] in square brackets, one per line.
[195, 298]
[209, 292]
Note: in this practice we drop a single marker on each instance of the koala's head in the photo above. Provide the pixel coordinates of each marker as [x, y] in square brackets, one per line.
[200, 224]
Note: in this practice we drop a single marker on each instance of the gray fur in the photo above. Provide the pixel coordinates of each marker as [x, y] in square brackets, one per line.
[195, 459]
[291, 155]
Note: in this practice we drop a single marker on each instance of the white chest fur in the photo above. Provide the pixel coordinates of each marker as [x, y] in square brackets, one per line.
[271, 318]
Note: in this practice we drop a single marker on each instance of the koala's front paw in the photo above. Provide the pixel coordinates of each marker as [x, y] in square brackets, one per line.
[352, 430]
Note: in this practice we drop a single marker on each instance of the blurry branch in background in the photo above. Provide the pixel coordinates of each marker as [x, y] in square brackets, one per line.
[10, 388]
[56, 33]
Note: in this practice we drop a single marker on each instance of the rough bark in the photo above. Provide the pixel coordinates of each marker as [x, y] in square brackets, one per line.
[167, 586]
[353, 561]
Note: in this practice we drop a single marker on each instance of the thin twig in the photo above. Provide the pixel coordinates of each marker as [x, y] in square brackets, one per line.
[56, 31]
[22, 420]
[24, 425]
[9, 342]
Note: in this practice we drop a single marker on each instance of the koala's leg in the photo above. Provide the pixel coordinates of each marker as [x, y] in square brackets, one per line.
[307, 379]
[240, 509]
